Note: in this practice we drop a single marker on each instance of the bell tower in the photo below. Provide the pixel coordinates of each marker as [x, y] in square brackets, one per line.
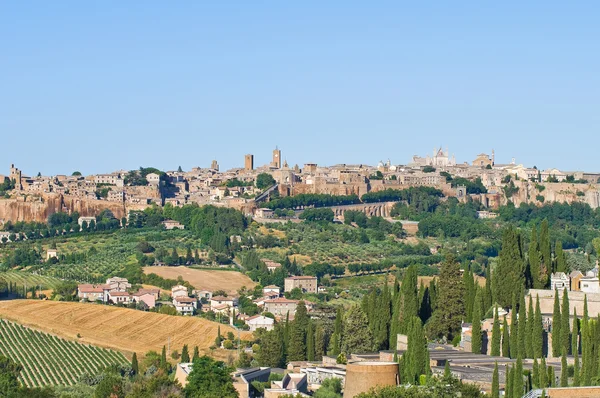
[276, 158]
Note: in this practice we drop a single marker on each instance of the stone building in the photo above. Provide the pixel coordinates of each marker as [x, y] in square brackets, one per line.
[249, 162]
[308, 284]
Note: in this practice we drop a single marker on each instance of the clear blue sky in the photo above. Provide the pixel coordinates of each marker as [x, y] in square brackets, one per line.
[99, 86]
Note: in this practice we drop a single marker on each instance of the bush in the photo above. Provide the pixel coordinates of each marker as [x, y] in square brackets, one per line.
[228, 344]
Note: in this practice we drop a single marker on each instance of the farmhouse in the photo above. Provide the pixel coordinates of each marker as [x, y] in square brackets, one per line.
[145, 297]
[92, 292]
[185, 305]
[171, 224]
[308, 284]
[179, 291]
[259, 321]
[119, 297]
[272, 266]
[282, 306]
[223, 304]
[118, 284]
[271, 289]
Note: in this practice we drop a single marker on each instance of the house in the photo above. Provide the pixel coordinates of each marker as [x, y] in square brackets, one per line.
[153, 179]
[218, 303]
[202, 294]
[185, 305]
[308, 284]
[179, 291]
[263, 213]
[118, 284]
[171, 224]
[259, 321]
[575, 277]
[154, 292]
[282, 306]
[560, 281]
[51, 253]
[271, 289]
[272, 266]
[590, 283]
[92, 292]
[292, 384]
[116, 297]
[145, 297]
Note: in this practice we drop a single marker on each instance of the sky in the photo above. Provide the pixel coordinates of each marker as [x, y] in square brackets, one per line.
[98, 86]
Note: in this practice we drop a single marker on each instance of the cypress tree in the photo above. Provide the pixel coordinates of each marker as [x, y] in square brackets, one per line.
[546, 253]
[409, 304]
[575, 333]
[565, 329]
[163, 358]
[514, 330]
[134, 364]
[356, 335]
[335, 344]
[469, 293]
[535, 376]
[447, 372]
[518, 379]
[586, 348]
[310, 342]
[508, 390]
[534, 260]
[529, 331]
[564, 373]
[196, 354]
[218, 339]
[551, 377]
[488, 289]
[538, 331]
[319, 342]
[476, 340]
[449, 307]
[556, 324]
[496, 334]
[522, 329]
[543, 381]
[495, 382]
[561, 260]
[185, 355]
[416, 361]
[509, 272]
[505, 339]
[383, 318]
[576, 370]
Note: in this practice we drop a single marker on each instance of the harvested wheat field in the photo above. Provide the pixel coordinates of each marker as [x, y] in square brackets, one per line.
[122, 329]
[229, 281]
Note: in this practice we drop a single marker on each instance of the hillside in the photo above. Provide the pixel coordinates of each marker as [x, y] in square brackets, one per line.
[229, 281]
[122, 329]
[49, 360]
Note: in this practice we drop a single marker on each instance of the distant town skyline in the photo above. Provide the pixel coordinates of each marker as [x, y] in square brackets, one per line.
[94, 87]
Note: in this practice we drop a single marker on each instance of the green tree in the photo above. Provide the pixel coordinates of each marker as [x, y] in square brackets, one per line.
[565, 328]
[535, 374]
[134, 364]
[185, 354]
[534, 260]
[564, 372]
[496, 334]
[264, 181]
[469, 299]
[514, 329]
[164, 364]
[538, 331]
[415, 360]
[310, 342]
[110, 386]
[560, 258]
[208, 379]
[330, 388]
[546, 253]
[543, 381]
[495, 382]
[450, 306]
[529, 329]
[476, 339]
[335, 343]
[356, 337]
[509, 275]
[196, 354]
[9, 376]
[272, 348]
[319, 342]
[505, 339]
[522, 328]
[556, 324]
[518, 379]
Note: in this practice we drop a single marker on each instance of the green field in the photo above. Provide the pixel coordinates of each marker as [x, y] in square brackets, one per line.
[28, 279]
[49, 360]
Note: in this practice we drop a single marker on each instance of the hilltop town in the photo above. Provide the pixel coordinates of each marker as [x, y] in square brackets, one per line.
[33, 198]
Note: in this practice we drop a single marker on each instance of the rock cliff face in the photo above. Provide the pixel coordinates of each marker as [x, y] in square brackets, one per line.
[38, 208]
[562, 192]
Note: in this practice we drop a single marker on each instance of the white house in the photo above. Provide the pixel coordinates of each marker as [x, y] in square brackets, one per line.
[560, 281]
[185, 305]
[179, 291]
[259, 321]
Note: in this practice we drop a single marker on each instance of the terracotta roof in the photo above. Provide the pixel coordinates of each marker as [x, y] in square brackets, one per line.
[302, 277]
[282, 300]
[271, 287]
[146, 291]
[185, 299]
[221, 298]
[87, 288]
[119, 294]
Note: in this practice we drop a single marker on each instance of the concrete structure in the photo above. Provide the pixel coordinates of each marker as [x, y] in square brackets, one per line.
[249, 162]
[308, 284]
[259, 321]
[171, 224]
[576, 300]
[281, 306]
[182, 372]
[560, 281]
[362, 376]
[51, 253]
[242, 381]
